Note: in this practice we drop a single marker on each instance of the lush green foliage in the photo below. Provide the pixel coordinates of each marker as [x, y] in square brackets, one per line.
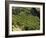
[25, 19]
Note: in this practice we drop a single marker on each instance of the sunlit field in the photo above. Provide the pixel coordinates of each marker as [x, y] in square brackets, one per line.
[25, 18]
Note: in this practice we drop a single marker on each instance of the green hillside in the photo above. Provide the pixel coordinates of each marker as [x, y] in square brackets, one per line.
[24, 19]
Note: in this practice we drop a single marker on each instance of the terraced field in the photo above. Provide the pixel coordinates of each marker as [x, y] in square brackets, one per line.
[24, 19]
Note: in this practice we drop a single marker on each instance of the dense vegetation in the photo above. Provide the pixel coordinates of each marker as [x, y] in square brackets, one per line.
[25, 19]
